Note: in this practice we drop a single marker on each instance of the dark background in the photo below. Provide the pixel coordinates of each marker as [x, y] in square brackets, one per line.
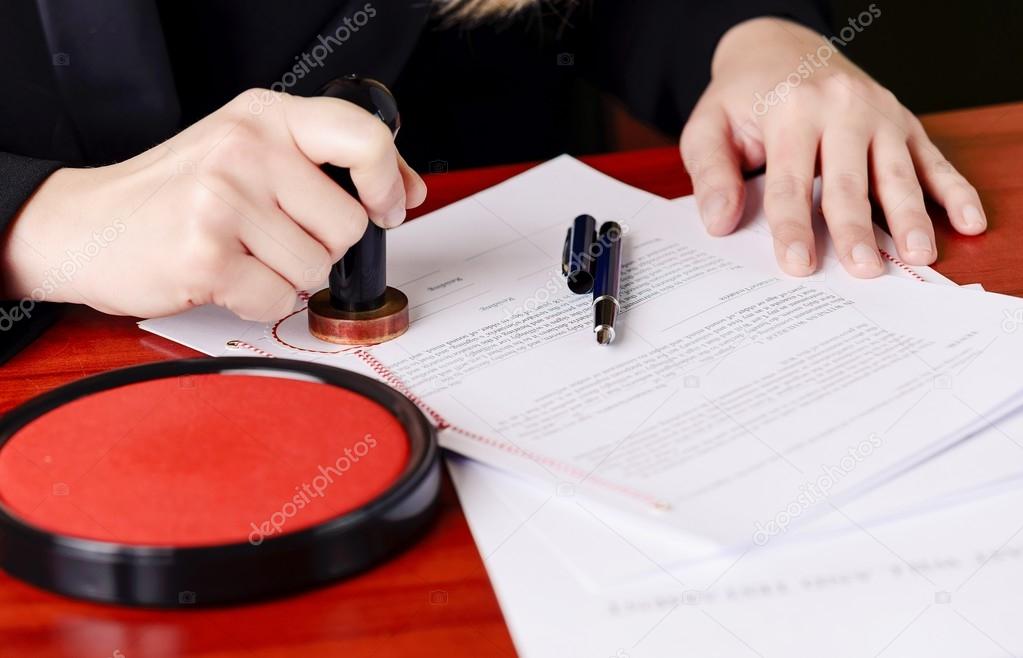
[942, 55]
[511, 86]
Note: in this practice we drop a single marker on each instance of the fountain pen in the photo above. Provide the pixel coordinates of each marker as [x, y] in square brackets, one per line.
[606, 282]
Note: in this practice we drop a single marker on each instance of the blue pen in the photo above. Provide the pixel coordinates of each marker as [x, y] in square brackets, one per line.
[606, 282]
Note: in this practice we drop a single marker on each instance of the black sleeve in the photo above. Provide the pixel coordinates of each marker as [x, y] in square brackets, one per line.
[655, 55]
[20, 320]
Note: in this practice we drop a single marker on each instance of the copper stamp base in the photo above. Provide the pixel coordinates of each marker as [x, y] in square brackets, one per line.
[358, 327]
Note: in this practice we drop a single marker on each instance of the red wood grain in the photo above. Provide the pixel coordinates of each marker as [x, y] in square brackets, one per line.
[435, 599]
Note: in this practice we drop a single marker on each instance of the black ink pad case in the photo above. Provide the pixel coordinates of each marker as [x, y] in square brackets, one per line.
[211, 481]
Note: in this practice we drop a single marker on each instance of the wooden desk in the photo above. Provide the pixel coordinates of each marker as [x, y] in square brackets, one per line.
[434, 600]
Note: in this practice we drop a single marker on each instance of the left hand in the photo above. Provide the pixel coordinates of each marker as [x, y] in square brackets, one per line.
[779, 94]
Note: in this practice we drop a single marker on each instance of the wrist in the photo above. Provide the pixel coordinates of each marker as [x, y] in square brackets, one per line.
[32, 239]
[762, 41]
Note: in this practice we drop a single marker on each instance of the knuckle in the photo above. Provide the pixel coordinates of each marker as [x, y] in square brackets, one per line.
[788, 229]
[942, 167]
[901, 171]
[319, 269]
[353, 228]
[241, 146]
[788, 187]
[205, 262]
[381, 194]
[959, 187]
[715, 171]
[902, 119]
[887, 97]
[692, 160]
[846, 87]
[244, 310]
[851, 233]
[695, 133]
[835, 206]
[849, 185]
[208, 214]
[803, 99]
[374, 138]
[252, 93]
[252, 101]
[838, 202]
[912, 215]
[916, 127]
[346, 232]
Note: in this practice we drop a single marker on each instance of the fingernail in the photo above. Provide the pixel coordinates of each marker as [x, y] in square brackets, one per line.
[973, 218]
[394, 217]
[798, 254]
[918, 242]
[863, 254]
[713, 210]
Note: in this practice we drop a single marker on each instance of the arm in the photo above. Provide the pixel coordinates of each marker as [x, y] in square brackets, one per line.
[21, 319]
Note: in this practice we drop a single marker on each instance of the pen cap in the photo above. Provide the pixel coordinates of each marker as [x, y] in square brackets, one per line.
[577, 257]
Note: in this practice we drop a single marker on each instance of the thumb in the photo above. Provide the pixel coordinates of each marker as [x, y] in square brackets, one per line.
[713, 161]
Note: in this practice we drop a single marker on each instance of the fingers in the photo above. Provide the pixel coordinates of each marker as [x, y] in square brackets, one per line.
[713, 163]
[844, 199]
[898, 191]
[324, 210]
[328, 130]
[253, 291]
[415, 187]
[282, 245]
[946, 185]
[246, 254]
[788, 195]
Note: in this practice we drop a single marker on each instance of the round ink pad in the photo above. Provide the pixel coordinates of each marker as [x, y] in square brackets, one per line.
[211, 481]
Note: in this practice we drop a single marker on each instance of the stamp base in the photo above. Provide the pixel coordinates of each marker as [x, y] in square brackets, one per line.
[358, 327]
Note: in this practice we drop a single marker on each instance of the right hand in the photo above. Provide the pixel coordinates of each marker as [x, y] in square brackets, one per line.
[233, 211]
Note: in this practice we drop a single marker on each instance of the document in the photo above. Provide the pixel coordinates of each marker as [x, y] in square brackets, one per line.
[732, 390]
[602, 555]
[942, 583]
[604, 548]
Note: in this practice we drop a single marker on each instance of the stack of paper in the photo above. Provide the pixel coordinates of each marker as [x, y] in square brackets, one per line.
[759, 464]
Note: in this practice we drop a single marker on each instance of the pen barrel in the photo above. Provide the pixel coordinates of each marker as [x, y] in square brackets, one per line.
[609, 261]
[358, 282]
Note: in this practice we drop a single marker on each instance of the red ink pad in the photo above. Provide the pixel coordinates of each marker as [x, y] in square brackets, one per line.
[211, 481]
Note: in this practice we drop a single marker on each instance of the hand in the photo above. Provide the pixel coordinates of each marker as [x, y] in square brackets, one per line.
[233, 211]
[781, 94]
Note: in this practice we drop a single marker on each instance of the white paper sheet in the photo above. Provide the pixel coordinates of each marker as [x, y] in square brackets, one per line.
[945, 583]
[605, 548]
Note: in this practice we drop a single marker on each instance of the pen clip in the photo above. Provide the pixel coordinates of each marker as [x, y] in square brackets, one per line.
[566, 253]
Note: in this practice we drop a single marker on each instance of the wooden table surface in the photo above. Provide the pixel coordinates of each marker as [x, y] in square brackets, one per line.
[435, 599]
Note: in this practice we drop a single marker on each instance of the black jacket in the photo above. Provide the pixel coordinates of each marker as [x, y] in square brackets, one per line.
[90, 82]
